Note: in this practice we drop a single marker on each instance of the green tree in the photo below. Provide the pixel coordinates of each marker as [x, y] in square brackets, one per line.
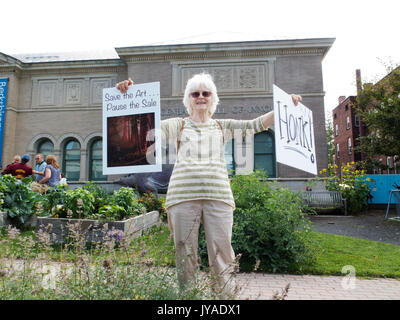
[330, 140]
[379, 107]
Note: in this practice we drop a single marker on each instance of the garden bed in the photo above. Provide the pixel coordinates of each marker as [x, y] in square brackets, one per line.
[5, 220]
[60, 229]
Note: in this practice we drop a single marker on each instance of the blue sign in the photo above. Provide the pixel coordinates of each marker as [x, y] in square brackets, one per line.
[3, 103]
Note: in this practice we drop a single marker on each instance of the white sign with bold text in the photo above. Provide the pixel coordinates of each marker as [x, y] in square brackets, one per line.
[131, 129]
[294, 133]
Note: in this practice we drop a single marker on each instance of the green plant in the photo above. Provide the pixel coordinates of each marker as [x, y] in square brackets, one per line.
[111, 213]
[270, 230]
[352, 184]
[128, 199]
[79, 201]
[52, 198]
[101, 196]
[18, 199]
[152, 203]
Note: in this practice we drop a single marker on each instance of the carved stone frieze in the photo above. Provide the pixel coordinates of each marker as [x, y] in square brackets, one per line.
[242, 77]
[69, 92]
[73, 92]
[47, 92]
[96, 90]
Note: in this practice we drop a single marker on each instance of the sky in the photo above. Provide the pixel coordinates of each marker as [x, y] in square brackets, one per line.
[366, 32]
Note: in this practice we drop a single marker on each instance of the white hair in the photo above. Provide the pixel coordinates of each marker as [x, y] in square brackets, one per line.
[201, 80]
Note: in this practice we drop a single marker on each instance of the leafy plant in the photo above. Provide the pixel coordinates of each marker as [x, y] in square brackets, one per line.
[52, 198]
[152, 203]
[101, 196]
[79, 201]
[111, 213]
[270, 230]
[128, 199]
[18, 199]
[352, 184]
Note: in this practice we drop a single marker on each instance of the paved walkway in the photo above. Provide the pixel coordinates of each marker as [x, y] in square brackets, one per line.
[259, 286]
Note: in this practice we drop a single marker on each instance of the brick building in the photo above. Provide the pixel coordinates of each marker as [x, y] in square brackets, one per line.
[347, 128]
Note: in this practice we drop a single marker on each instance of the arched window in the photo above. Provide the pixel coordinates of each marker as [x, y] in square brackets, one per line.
[229, 157]
[72, 160]
[96, 161]
[264, 153]
[45, 147]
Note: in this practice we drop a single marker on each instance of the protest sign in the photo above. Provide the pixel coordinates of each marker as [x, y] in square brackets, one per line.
[294, 133]
[131, 129]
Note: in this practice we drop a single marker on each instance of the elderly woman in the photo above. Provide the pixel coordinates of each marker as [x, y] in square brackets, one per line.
[199, 189]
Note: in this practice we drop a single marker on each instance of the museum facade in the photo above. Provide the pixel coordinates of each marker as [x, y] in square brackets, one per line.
[54, 101]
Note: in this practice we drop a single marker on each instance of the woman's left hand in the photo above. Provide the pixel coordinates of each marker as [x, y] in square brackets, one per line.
[296, 99]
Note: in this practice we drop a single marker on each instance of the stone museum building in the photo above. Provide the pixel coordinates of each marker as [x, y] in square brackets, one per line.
[54, 101]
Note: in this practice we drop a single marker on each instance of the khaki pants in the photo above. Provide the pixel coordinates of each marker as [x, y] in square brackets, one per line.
[217, 218]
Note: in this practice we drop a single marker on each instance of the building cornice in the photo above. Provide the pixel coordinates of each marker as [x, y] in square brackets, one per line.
[226, 50]
[9, 63]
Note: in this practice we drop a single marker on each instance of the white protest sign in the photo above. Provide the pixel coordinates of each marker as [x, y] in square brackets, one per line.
[294, 133]
[131, 129]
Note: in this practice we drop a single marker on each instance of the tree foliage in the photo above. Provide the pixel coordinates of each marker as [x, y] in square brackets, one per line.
[379, 107]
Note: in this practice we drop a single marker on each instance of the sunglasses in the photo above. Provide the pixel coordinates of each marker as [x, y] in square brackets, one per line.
[197, 94]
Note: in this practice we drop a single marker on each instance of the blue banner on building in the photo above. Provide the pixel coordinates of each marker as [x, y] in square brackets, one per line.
[3, 103]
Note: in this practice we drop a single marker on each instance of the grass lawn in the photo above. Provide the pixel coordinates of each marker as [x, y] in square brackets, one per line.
[369, 258]
[333, 252]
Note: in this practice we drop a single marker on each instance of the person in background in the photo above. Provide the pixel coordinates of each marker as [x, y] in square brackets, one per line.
[16, 159]
[63, 180]
[19, 169]
[52, 173]
[39, 167]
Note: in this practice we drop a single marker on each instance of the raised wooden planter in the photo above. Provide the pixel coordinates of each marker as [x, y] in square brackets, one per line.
[95, 231]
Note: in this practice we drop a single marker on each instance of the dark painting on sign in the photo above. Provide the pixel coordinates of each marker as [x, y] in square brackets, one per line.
[127, 138]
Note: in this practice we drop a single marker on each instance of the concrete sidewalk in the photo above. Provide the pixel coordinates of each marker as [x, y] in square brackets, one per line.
[261, 286]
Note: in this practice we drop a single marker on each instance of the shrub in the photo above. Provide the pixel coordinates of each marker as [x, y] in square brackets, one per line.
[128, 199]
[152, 203]
[352, 184]
[101, 196]
[270, 230]
[79, 201]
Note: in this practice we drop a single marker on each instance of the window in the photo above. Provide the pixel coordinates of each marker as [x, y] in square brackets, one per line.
[96, 161]
[229, 157]
[336, 129]
[346, 107]
[349, 145]
[45, 147]
[72, 160]
[389, 162]
[337, 151]
[347, 123]
[357, 121]
[264, 153]
[334, 116]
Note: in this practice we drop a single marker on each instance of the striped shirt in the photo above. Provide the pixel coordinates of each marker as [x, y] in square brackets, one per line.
[200, 169]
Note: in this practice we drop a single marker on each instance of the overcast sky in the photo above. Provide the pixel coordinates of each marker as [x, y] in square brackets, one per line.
[366, 32]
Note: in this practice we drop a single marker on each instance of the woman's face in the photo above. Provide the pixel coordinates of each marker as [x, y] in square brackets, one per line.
[200, 99]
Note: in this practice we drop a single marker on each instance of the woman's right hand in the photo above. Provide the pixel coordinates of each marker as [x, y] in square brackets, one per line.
[124, 85]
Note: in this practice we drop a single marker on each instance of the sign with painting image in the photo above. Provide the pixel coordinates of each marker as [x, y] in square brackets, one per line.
[131, 129]
[294, 133]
